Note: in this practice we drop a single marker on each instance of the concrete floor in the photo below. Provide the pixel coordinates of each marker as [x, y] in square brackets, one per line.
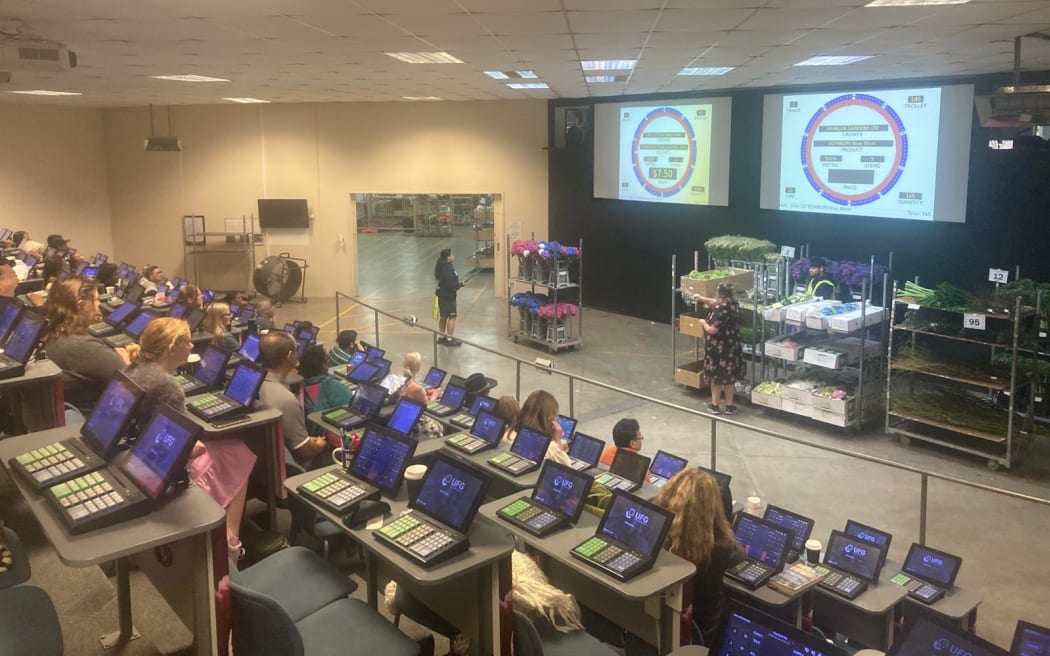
[1000, 539]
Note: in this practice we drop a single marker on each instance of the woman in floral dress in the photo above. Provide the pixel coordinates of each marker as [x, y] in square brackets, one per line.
[723, 357]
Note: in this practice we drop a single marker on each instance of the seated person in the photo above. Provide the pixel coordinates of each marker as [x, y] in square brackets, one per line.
[217, 321]
[277, 355]
[539, 413]
[8, 278]
[701, 534]
[22, 242]
[53, 267]
[627, 434]
[321, 390]
[86, 361]
[426, 427]
[191, 296]
[507, 409]
[107, 275]
[222, 466]
[263, 313]
[345, 345]
[151, 278]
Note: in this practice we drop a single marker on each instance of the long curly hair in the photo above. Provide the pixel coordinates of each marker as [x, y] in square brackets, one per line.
[537, 413]
[699, 523]
[64, 311]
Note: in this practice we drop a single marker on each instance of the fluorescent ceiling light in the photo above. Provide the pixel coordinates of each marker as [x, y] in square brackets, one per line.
[247, 101]
[608, 64]
[913, 3]
[841, 60]
[44, 92]
[706, 70]
[497, 75]
[421, 98]
[189, 78]
[425, 57]
[527, 85]
[527, 75]
[600, 79]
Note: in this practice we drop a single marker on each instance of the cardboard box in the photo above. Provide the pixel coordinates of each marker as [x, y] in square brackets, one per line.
[799, 312]
[779, 314]
[796, 408]
[829, 417]
[690, 375]
[775, 348]
[767, 400]
[799, 391]
[689, 323]
[850, 321]
[830, 359]
[841, 352]
[742, 280]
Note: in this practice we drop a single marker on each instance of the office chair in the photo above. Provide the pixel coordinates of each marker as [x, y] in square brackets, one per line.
[276, 612]
[28, 620]
[530, 640]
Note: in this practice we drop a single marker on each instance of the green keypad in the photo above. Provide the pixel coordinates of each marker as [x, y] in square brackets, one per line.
[56, 450]
[401, 525]
[458, 439]
[516, 508]
[591, 547]
[603, 479]
[502, 458]
[901, 579]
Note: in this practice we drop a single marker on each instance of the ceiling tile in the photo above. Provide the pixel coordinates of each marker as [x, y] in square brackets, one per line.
[701, 20]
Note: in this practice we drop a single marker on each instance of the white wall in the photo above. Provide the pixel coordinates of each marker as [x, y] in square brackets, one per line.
[233, 155]
[53, 174]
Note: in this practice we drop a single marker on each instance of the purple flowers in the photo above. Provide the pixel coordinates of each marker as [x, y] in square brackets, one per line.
[846, 272]
[543, 250]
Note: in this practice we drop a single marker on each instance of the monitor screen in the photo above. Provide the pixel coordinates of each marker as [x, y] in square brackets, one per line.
[667, 464]
[481, 403]
[568, 426]
[1030, 640]
[283, 213]
[529, 444]
[160, 451]
[368, 400]
[247, 312]
[8, 316]
[103, 428]
[178, 310]
[139, 323]
[488, 427]
[405, 415]
[586, 448]
[250, 348]
[453, 396]
[30, 261]
[374, 354]
[937, 567]
[301, 343]
[212, 366]
[853, 556]
[434, 378]
[561, 488]
[924, 636]
[636, 523]
[451, 492]
[24, 339]
[868, 534]
[357, 358]
[194, 318]
[207, 295]
[364, 372]
[747, 631]
[90, 272]
[244, 384]
[121, 312]
[630, 465]
[382, 459]
[761, 541]
[797, 524]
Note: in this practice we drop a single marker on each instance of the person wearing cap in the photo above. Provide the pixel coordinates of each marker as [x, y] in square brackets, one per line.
[627, 435]
[820, 283]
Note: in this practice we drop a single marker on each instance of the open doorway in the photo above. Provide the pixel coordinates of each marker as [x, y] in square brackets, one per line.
[399, 238]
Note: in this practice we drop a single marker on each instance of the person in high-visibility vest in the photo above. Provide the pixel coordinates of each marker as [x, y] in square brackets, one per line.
[820, 284]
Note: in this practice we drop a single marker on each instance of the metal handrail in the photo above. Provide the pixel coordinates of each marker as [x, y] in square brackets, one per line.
[715, 420]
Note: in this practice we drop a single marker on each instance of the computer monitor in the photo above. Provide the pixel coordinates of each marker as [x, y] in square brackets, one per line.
[382, 459]
[563, 489]
[161, 451]
[753, 633]
[924, 636]
[932, 565]
[245, 383]
[451, 492]
[1030, 640]
[801, 526]
[405, 415]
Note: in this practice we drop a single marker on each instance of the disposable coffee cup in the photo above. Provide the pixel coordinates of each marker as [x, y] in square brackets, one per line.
[110, 290]
[414, 479]
[813, 551]
[754, 506]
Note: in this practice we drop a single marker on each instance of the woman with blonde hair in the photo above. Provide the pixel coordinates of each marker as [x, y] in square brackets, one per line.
[217, 320]
[222, 466]
[87, 363]
[411, 363]
[539, 413]
[701, 534]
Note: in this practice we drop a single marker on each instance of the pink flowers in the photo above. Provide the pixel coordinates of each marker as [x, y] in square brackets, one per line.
[559, 311]
[542, 250]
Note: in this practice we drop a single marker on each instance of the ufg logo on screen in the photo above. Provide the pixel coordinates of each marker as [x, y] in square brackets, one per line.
[451, 481]
[637, 516]
[563, 483]
[942, 644]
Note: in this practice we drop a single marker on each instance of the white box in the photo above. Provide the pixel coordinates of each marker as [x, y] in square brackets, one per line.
[850, 321]
[775, 348]
[799, 391]
[799, 312]
[829, 359]
[767, 400]
[796, 408]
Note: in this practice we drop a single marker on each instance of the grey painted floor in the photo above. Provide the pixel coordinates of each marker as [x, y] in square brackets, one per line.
[1001, 540]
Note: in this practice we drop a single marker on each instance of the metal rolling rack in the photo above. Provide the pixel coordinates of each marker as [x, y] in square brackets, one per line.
[242, 242]
[553, 338]
[999, 448]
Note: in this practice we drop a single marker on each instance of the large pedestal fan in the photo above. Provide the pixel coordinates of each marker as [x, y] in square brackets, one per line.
[280, 276]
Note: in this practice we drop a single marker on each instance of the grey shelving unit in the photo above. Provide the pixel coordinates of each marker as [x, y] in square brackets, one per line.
[239, 247]
[564, 334]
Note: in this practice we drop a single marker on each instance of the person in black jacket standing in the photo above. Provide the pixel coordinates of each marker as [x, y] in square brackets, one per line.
[447, 288]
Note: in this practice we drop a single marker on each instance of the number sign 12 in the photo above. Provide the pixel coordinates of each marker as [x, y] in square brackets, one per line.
[999, 276]
[973, 321]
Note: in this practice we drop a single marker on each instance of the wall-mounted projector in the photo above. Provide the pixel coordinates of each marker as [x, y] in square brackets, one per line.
[35, 57]
[163, 144]
[1015, 106]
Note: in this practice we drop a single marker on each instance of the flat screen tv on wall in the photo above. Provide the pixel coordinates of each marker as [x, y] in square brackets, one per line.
[283, 213]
